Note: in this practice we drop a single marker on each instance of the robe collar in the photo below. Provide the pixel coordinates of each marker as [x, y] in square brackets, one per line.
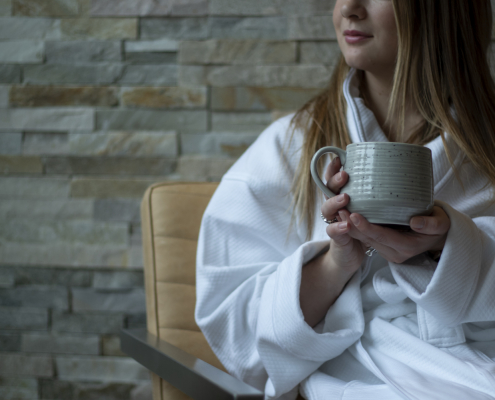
[363, 127]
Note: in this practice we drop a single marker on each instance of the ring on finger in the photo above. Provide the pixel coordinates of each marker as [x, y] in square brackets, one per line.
[331, 221]
[370, 251]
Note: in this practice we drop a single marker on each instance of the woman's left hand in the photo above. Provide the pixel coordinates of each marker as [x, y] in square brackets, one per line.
[428, 234]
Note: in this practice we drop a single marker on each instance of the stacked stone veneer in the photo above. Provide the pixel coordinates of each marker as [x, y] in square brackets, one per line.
[99, 99]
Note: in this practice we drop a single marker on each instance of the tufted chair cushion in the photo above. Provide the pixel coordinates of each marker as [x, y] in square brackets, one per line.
[170, 217]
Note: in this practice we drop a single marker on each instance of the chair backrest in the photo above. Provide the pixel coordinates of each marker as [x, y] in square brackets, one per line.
[170, 218]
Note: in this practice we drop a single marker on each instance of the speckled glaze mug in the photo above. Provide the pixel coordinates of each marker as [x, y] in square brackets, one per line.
[388, 182]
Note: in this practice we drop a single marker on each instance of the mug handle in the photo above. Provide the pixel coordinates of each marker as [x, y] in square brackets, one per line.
[314, 172]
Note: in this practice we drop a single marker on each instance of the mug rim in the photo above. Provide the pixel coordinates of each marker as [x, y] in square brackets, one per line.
[388, 143]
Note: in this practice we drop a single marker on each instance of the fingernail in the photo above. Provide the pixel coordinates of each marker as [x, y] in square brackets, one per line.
[343, 226]
[355, 220]
[340, 198]
[342, 216]
[338, 176]
[417, 223]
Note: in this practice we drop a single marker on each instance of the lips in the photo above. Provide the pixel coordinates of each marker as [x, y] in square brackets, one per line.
[353, 36]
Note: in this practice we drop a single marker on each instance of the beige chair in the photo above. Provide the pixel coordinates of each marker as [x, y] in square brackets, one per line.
[174, 349]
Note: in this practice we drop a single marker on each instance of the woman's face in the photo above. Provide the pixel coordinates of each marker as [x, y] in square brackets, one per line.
[367, 34]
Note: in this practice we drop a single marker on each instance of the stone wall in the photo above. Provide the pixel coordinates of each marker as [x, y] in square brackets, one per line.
[99, 99]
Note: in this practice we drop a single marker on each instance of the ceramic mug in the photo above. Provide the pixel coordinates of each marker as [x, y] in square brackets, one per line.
[389, 182]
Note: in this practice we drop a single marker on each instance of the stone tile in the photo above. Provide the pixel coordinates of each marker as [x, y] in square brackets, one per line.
[10, 73]
[64, 231]
[259, 98]
[319, 53]
[99, 28]
[4, 96]
[91, 300]
[13, 364]
[203, 168]
[301, 76]
[143, 391]
[226, 144]
[111, 346]
[45, 8]
[47, 119]
[272, 28]
[109, 188]
[36, 296]
[18, 388]
[182, 121]
[22, 51]
[46, 209]
[136, 239]
[311, 27]
[135, 255]
[45, 143]
[164, 97]
[10, 165]
[241, 7]
[174, 28]
[165, 75]
[149, 7]
[74, 52]
[66, 255]
[308, 7]
[126, 210]
[151, 58]
[55, 389]
[10, 143]
[160, 45]
[14, 318]
[107, 323]
[34, 188]
[135, 321]
[251, 52]
[110, 166]
[5, 8]
[60, 343]
[118, 280]
[7, 278]
[49, 74]
[17, 28]
[9, 342]
[52, 276]
[192, 75]
[277, 114]
[102, 369]
[240, 122]
[124, 144]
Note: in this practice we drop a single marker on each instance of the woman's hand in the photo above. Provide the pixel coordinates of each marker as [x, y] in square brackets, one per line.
[346, 253]
[429, 234]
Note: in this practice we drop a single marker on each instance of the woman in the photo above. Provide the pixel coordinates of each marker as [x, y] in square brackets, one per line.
[298, 306]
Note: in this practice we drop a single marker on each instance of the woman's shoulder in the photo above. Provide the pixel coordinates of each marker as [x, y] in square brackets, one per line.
[273, 157]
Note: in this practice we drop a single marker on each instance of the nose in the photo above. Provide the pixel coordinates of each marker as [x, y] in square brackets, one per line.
[353, 9]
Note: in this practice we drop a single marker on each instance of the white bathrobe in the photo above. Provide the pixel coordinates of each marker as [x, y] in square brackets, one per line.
[417, 330]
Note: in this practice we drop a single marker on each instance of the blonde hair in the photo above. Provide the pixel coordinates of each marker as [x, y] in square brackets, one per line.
[442, 63]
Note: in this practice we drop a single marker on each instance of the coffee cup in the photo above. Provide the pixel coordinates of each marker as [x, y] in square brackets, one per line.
[389, 183]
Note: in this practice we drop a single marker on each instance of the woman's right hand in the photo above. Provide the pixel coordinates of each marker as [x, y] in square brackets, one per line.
[346, 254]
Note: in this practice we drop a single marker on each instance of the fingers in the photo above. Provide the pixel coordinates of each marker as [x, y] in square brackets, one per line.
[335, 179]
[338, 232]
[330, 208]
[438, 223]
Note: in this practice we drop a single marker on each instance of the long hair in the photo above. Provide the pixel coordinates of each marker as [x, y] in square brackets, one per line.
[442, 65]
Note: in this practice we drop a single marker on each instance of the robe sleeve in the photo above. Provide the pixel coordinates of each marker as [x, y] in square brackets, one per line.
[248, 280]
[460, 288]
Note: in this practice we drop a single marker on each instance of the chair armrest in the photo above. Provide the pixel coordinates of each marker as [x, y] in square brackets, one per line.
[193, 376]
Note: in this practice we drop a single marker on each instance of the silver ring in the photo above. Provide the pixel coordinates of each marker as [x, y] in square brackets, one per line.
[328, 221]
[370, 251]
